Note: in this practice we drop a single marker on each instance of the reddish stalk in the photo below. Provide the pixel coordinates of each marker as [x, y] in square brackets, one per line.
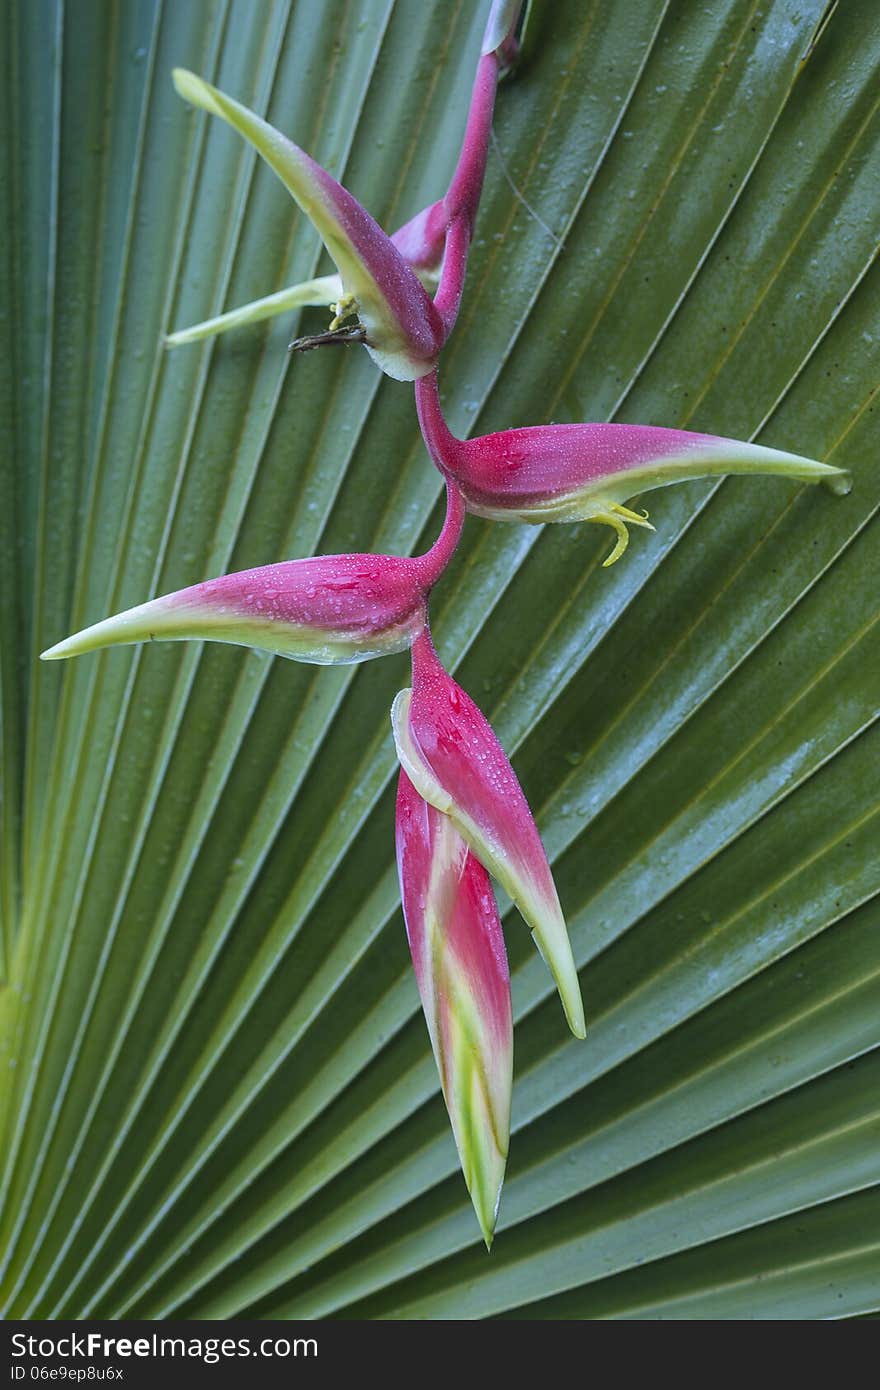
[431, 565]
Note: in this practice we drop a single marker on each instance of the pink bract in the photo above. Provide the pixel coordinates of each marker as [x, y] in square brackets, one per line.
[460, 963]
[325, 609]
[585, 472]
[450, 752]
[332, 608]
[403, 329]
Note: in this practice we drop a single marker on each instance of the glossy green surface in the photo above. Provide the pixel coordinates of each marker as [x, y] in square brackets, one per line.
[219, 1096]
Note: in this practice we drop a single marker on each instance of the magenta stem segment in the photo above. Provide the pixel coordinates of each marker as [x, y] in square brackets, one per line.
[447, 452]
[447, 300]
[463, 195]
[431, 565]
[425, 660]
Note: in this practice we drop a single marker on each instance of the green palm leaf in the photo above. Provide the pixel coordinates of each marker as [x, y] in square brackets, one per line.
[219, 1097]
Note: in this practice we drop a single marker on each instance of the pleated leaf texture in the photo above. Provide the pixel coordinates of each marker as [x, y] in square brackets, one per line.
[219, 1097]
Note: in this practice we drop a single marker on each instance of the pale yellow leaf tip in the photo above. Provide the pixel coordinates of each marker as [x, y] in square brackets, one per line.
[195, 90]
[839, 481]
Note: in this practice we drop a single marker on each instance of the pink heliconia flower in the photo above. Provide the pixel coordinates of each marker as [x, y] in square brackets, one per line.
[586, 472]
[420, 241]
[460, 963]
[448, 750]
[333, 608]
[402, 330]
[327, 609]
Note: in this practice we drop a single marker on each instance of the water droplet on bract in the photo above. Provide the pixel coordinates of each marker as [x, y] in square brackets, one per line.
[454, 700]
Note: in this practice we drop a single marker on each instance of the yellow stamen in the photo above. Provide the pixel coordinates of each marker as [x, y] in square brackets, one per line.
[616, 516]
[343, 309]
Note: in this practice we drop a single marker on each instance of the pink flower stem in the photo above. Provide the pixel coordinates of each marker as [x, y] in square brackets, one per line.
[463, 195]
[449, 291]
[431, 565]
[424, 657]
[441, 443]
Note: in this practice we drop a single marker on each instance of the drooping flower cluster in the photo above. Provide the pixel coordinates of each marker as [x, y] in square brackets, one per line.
[461, 813]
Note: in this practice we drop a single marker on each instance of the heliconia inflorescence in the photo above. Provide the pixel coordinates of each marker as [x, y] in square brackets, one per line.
[461, 812]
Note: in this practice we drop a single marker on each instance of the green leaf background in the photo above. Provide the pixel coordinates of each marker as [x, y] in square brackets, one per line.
[219, 1098]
